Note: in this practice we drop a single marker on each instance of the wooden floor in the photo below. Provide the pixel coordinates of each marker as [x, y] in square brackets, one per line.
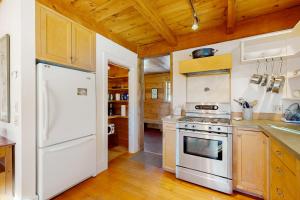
[129, 180]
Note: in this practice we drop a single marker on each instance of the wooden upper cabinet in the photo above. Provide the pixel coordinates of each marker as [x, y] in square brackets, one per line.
[55, 35]
[63, 41]
[250, 163]
[83, 47]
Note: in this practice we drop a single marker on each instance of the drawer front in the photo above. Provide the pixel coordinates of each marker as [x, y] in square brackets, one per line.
[169, 126]
[282, 154]
[283, 181]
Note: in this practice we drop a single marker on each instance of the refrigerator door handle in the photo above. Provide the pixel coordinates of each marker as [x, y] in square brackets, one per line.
[71, 145]
[46, 110]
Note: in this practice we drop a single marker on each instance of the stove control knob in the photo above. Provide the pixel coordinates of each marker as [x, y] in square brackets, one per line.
[193, 126]
[219, 129]
[209, 128]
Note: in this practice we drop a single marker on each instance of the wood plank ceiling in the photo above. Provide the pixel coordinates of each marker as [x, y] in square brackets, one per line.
[156, 27]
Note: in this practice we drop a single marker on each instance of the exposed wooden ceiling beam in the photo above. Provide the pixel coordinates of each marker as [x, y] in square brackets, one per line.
[149, 13]
[277, 21]
[231, 15]
[67, 11]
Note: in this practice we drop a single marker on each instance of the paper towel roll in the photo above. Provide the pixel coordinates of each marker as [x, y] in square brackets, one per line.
[123, 110]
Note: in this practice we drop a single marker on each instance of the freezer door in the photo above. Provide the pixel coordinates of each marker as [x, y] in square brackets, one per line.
[66, 104]
[65, 165]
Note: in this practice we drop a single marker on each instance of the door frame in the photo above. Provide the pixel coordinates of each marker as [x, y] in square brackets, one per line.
[102, 107]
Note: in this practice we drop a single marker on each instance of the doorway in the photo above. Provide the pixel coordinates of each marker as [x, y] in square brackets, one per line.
[157, 104]
[118, 98]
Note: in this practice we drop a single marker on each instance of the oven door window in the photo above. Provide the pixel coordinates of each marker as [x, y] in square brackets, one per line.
[203, 147]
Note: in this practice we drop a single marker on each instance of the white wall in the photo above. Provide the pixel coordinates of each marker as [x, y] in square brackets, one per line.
[17, 18]
[107, 50]
[240, 86]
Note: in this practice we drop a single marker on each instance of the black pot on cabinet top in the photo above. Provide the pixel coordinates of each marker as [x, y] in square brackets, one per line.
[203, 52]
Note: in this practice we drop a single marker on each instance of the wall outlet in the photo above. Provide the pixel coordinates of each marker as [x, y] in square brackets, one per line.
[278, 108]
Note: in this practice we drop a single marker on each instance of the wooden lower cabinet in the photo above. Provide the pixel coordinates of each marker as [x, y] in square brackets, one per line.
[6, 171]
[169, 146]
[285, 174]
[250, 162]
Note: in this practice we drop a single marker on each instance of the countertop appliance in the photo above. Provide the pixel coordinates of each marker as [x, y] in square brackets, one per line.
[204, 146]
[111, 129]
[66, 127]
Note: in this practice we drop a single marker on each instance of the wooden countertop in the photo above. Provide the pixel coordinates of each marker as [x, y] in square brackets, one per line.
[5, 142]
[290, 140]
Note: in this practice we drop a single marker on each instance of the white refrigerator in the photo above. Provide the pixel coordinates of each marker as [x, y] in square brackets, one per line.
[66, 116]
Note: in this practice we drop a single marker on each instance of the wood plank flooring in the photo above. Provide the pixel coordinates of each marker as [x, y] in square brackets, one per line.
[130, 180]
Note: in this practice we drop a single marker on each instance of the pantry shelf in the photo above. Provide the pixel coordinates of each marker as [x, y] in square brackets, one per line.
[118, 101]
[117, 89]
[117, 116]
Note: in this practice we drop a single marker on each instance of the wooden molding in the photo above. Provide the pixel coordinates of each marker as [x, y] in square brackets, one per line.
[231, 16]
[60, 7]
[148, 12]
[277, 21]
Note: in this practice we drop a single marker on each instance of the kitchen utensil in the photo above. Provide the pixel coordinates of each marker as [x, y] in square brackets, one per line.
[278, 84]
[265, 77]
[256, 78]
[279, 81]
[246, 105]
[272, 79]
[253, 103]
[238, 102]
[203, 52]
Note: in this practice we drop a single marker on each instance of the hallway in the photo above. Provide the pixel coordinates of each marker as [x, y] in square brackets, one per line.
[153, 141]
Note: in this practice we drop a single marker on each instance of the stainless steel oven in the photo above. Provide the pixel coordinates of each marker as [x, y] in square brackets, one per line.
[204, 153]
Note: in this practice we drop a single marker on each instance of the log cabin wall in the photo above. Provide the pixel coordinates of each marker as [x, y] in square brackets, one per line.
[155, 109]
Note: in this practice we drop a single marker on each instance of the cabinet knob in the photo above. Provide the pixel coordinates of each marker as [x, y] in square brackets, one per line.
[279, 170]
[278, 153]
[279, 192]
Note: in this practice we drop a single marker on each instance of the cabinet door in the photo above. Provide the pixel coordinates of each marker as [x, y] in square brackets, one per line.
[6, 172]
[83, 47]
[250, 162]
[169, 149]
[55, 37]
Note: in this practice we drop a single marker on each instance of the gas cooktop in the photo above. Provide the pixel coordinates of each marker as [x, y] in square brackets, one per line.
[205, 120]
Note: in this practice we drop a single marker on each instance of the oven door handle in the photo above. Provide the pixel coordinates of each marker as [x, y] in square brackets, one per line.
[203, 133]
